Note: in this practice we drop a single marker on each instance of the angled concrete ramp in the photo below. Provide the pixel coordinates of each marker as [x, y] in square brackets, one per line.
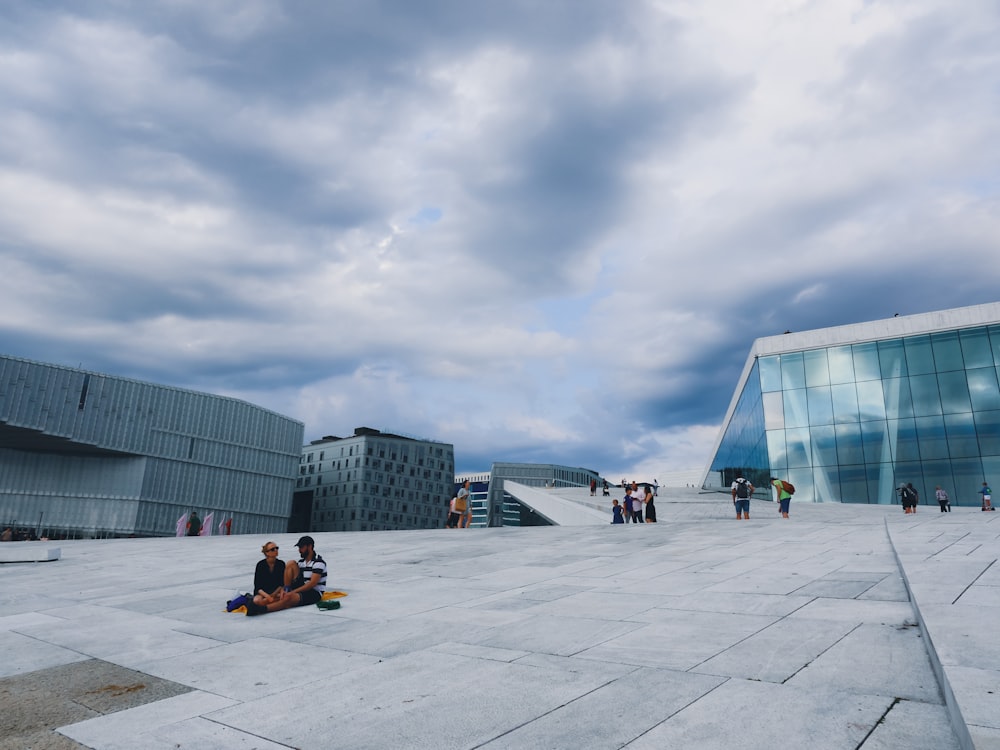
[554, 507]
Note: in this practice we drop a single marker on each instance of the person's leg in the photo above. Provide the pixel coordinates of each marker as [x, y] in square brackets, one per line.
[291, 573]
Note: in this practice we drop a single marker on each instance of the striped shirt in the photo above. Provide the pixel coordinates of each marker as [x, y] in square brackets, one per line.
[316, 565]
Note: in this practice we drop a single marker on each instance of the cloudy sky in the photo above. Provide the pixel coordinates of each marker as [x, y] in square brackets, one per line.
[542, 231]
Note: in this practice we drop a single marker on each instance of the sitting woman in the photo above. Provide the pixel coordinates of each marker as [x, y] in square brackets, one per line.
[269, 577]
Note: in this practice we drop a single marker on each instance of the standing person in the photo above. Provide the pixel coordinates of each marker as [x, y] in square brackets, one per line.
[305, 581]
[453, 515]
[656, 488]
[636, 503]
[605, 490]
[194, 525]
[269, 576]
[741, 490]
[593, 487]
[650, 508]
[463, 505]
[987, 494]
[943, 500]
[784, 496]
[7, 535]
[616, 512]
[908, 496]
[629, 502]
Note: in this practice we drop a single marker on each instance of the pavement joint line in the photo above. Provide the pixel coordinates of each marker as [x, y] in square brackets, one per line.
[973, 582]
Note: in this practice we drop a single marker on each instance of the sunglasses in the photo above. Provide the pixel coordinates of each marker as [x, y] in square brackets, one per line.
[271, 549]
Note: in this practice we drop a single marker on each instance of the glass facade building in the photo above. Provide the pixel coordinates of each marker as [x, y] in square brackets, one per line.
[847, 414]
[84, 454]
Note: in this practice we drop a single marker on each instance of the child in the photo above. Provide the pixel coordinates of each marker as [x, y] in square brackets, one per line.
[616, 510]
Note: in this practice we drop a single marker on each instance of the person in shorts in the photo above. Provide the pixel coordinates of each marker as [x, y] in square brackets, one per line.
[305, 581]
[741, 490]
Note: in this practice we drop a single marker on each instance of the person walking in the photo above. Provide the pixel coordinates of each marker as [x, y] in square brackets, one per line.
[784, 496]
[943, 500]
[650, 506]
[194, 525]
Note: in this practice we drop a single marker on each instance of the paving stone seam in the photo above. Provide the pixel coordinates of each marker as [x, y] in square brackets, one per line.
[958, 723]
[981, 574]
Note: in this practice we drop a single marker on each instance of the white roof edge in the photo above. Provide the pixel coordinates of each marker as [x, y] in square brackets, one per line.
[896, 327]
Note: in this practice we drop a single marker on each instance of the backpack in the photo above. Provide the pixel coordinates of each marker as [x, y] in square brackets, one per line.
[742, 490]
[787, 487]
[906, 494]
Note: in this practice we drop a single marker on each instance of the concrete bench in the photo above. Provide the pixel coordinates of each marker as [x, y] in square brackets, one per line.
[28, 552]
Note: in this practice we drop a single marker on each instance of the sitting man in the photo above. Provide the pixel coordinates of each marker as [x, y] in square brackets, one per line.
[305, 581]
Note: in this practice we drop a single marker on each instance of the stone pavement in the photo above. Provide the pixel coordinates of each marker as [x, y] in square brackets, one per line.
[696, 632]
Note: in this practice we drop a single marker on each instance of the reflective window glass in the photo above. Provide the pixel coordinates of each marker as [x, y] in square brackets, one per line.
[994, 332]
[817, 371]
[826, 484]
[797, 448]
[968, 474]
[875, 440]
[796, 413]
[976, 348]
[954, 389]
[892, 358]
[947, 351]
[824, 446]
[903, 440]
[793, 374]
[866, 365]
[919, 355]
[880, 486]
[988, 431]
[931, 435]
[802, 478]
[774, 410]
[961, 432]
[770, 373]
[924, 392]
[841, 364]
[820, 405]
[845, 402]
[983, 389]
[871, 403]
[849, 448]
[776, 450]
[853, 484]
[938, 473]
[897, 398]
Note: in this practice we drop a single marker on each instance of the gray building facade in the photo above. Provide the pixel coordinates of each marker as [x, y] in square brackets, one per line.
[373, 480]
[849, 413]
[86, 454]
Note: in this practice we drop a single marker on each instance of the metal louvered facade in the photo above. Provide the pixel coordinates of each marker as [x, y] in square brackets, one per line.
[86, 454]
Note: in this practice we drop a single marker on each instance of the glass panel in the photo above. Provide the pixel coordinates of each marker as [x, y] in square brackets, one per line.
[924, 392]
[866, 365]
[954, 389]
[853, 484]
[776, 450]
[824, 446]
[845, 403]
[875, 439]
[995, 343]
[983, 388]
[961, 432]
[793, 374]
[930, 433]
[897, 398]
[892, 359]
[770, 373]
[849, 449]
[803, 481]
[903, 440]
[880, 486]
[919, 355]
[871, 403]
[988, 430]
[797, 448]
[817, 371]
[841, 364]
[796, 412]
[938, 474]
[947, 351]
[774, 411]
[826, 484]
[976, 348]
[968, 475]
[820, 405]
